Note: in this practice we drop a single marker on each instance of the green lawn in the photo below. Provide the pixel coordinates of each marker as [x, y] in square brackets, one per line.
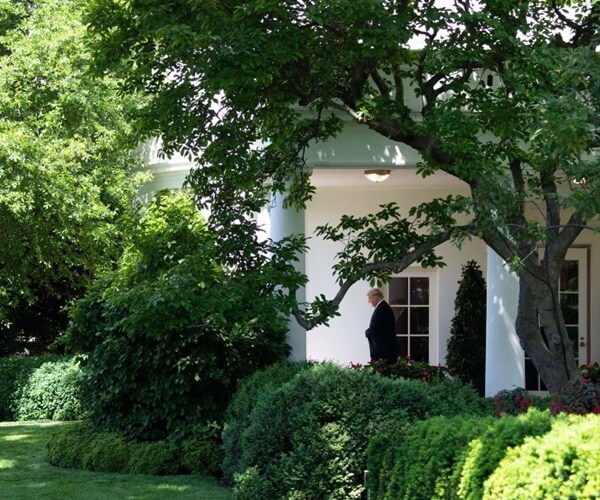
[26, 474]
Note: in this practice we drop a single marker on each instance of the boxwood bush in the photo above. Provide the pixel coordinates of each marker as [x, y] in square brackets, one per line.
[427, 455]
[42, 387]
[564, 463]
[307, 438]
[239, 411]
[486, 452]
[80, 445]
[457, 457]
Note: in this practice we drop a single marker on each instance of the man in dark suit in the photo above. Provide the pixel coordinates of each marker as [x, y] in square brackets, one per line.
[381, 334]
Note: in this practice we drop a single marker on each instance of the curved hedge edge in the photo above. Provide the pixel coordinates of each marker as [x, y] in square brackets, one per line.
[79, 445]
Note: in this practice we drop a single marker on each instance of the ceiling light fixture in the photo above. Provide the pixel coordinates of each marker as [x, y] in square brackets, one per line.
[377, 175]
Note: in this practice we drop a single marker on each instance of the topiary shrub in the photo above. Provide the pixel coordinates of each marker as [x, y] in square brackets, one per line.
[427, 455]
[466, 345]
[106, 452]
[52, 392]
[452, 397]
[307, 438]
[486, 452]
[564, 463]
[171, 332]
[69, 443]
[239, 411]
[158, 458]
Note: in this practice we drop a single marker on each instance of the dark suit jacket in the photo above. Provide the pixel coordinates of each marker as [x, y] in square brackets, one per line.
[381, 334]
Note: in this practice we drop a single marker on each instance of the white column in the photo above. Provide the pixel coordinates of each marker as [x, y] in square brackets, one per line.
[504, 357]
[283, 223]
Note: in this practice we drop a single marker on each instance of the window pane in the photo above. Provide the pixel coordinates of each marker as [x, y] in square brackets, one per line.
[531, 377]
[573, 333]
[569, 275]
[399, 291]
[419, 348]
[569, 303]
[419, 291]
[403, 346]
[419, 321]
[401, 314]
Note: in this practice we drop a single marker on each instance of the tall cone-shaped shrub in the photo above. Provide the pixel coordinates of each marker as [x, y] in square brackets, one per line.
[466, 346]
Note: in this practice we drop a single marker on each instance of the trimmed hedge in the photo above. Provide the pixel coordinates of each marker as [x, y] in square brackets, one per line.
[564, 463]
[533, 455]
[239, 412]
[427, 455]
[82, 446]
[307, 438]
[486, 452]
[42, 387]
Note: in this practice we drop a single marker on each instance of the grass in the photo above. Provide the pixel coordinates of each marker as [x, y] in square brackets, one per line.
[26, 474]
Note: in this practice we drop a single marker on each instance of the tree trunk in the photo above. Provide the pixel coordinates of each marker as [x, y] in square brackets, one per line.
[541, 329]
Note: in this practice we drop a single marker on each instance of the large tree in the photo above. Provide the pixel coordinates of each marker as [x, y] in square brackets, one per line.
[65, 169]
[225, 76]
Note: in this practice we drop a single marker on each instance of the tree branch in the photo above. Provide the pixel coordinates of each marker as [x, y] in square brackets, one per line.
[393, 266]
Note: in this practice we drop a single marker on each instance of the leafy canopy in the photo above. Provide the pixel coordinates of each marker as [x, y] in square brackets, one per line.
[226, 76]
[65, 170]
[501, 94]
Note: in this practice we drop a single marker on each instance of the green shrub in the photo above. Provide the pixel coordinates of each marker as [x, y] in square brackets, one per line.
[106, 452]
[251, 485]
[466, 345]
[307, 438]
[69, 443]
[428, 454]
[202, 453]
[381, 457]
[159, 458]
[564, 463]
[171, 331]
[82, 446]
[239, 411]
[26, 393]
[452, 397]
[486, 452]
[52, 392]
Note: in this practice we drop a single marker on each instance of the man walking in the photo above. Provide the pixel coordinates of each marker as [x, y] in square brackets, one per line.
[380, 334]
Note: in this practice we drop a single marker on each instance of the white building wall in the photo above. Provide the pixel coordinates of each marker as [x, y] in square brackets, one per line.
[504, 357]
[343, 341]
